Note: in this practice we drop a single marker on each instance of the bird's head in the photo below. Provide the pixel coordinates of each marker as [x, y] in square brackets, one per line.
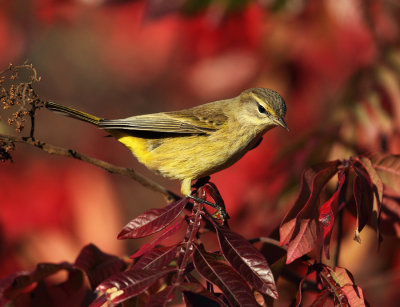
[262, 107]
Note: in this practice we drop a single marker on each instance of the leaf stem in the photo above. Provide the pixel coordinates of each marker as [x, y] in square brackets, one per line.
[188, 245]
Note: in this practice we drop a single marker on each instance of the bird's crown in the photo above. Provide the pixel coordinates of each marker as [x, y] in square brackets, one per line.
[269, 99]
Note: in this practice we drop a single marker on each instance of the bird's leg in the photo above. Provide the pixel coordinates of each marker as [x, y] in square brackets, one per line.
[202, 182]
[203, 201]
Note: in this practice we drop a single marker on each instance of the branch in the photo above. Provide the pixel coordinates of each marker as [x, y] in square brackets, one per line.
[113, 169]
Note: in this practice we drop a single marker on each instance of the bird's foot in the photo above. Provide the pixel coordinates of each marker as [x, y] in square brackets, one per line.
[220, 214]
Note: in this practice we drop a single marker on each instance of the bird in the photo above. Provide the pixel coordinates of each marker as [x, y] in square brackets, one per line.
[193, 143]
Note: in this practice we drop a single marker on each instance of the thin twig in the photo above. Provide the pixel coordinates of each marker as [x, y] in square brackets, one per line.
[32, 117]
[113, 169]
[15, 68]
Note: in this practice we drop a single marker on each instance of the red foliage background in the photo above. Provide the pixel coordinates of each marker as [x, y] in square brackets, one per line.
[336, 63]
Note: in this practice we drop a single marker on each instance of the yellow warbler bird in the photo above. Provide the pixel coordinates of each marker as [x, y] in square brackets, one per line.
[196, 142]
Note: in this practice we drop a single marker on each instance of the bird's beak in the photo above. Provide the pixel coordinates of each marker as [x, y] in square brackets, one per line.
[281, 122]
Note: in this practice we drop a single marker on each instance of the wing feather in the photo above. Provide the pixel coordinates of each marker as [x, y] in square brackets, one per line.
[198, 120]
[156, 123]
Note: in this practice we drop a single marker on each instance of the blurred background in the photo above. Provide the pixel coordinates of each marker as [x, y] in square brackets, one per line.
[335, 62]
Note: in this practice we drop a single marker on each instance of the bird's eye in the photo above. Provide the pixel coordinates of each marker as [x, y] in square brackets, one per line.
[261, 109]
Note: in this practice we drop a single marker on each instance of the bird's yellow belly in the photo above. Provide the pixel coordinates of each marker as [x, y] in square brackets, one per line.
[191, 157]
[187, 156]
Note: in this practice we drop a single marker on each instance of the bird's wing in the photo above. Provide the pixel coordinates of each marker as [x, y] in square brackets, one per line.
[187, 122]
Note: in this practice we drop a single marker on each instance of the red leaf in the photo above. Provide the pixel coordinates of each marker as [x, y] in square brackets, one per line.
[161, 298]
[377, 188]
[354, 295]
[388, 168]
[152, 220]
[321, 299]
[14, 286]
[156, 258]
[122, 286]
[97, 265]
[232, 285]
[306, 189]
[168, 232]
[342, 276]
[352, 292]
[247, 261]
[299, 228]
[305, 239]
[326, 219]
[390, 213]
[341, 285]
[299, 294]
[327, 215]
[364, 199]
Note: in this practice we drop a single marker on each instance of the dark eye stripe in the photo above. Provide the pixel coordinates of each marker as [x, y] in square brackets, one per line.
[261, 109]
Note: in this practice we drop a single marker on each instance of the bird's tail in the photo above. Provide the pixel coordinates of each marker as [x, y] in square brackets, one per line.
[73, 113]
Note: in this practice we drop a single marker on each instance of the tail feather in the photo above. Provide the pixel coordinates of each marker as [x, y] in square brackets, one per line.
[73, 113]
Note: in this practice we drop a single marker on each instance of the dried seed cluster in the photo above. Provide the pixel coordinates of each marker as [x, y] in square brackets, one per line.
[16, 91]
